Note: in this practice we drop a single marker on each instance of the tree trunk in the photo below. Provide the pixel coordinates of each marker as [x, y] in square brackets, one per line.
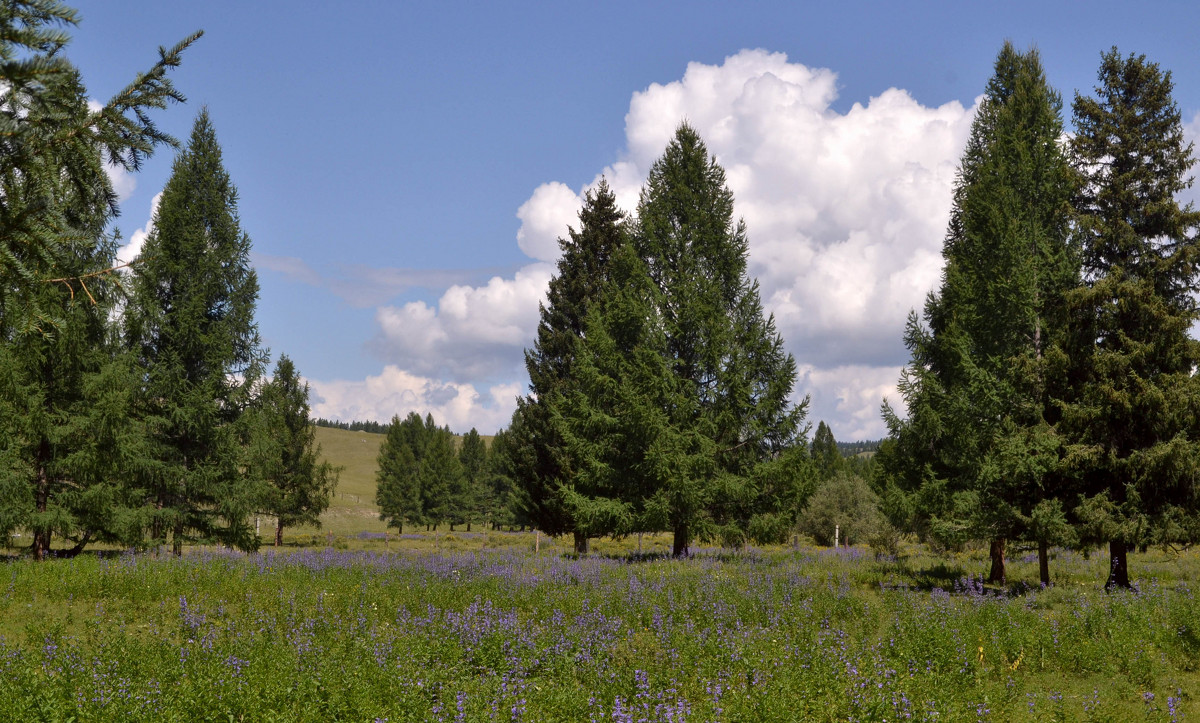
[680, 548]
[468, 525]
[177, 540]
[997, 574]
[1118, 565]
[156, 527]
[41, 498]
[1044, 563]
[78, 548]
[278, 531]
[581, 544]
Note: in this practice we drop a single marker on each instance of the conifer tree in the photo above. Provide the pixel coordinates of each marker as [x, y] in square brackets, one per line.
[51, 145]
[583, 271]
[1131, 414]
[191, 324]
[719, 342]
[286, 453]
[825, 452]
[67, 441]
[420, 478]
[979, 450]
[473, 457]
[628, 423]
[398, 486]
[443, 485]
[502, 489]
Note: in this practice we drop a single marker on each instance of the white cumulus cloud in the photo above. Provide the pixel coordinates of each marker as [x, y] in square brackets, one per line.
[845, 211]
[473, 333]
[398, 392]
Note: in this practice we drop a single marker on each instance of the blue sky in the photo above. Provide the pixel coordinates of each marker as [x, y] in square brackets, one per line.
[404, 167]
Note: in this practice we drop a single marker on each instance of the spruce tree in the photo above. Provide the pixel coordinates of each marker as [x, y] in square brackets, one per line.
[443, 486]
[502, 488]
[398, 485]
[191, 324]
[286, 453]
[720, 344]
[473, 457]
[980, 436]
[420, 478]
[1131, 413]
[825, 452]
[627, 423]
[583, 271]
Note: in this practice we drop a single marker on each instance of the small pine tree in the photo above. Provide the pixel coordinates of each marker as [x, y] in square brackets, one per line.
[285, 454]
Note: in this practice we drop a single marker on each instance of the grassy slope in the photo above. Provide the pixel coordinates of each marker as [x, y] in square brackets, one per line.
[353, 508]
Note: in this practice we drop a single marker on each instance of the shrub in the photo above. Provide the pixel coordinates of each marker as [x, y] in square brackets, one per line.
[844, 501]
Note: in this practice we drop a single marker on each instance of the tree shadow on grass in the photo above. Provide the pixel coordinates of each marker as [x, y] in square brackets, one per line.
[901, 575]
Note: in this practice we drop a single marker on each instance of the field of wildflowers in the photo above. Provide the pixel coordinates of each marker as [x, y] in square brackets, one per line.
[472, 631]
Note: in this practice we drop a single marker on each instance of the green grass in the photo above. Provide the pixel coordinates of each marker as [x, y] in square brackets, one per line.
[411, 628]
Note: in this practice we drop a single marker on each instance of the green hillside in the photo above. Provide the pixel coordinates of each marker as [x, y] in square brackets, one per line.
[353, 508]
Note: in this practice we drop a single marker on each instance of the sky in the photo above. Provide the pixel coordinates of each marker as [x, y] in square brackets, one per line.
[405, 169]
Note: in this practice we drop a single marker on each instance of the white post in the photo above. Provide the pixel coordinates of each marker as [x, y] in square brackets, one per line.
[537, 540]
[836, 530]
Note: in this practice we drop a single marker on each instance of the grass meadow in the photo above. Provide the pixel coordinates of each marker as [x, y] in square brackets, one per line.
[481, 627]
[347, 623]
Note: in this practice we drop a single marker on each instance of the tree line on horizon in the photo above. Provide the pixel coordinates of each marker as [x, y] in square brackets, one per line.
[135, 408]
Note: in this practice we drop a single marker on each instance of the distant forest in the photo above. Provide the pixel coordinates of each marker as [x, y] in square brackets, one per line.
[847, 449]
[853, 449]
[356, 426]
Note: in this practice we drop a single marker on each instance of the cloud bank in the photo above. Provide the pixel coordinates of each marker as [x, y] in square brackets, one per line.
[398, 392]
[845, 214]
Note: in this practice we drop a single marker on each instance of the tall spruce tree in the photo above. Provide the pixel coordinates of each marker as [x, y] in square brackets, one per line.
[286, 454]
[67, 443]
[190, 322]
[980, 433]
[719, 343]
[583, 271]
[1132, 415]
